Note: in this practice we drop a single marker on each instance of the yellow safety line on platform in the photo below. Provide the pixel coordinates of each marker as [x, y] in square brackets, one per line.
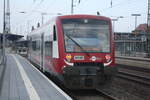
[53, 84]
[30, 88]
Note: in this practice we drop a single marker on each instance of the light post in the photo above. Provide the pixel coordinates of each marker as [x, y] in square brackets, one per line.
[4, 32]
[45, 13]
[27, 22]
[42, 15]
[72, 7]
[135, 45]
[113, 22]
[135, 15]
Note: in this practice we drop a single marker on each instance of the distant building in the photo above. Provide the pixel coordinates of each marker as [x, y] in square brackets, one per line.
[10, 39]
[142, 28]
[128, 44]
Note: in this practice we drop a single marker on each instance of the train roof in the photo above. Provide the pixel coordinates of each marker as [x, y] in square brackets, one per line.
[73, 16]
[84, 16]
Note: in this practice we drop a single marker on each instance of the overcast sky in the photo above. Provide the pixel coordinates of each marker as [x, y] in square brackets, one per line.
[33, 8]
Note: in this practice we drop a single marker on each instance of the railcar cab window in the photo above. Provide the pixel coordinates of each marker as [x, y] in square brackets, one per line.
[90, 35]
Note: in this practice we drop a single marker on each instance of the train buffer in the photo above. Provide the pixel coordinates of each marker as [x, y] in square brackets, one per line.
[20, 80]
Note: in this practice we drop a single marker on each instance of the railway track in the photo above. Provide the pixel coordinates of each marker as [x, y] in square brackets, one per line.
[82, 94]
[134, 58]
[107, 94]
[134, 69]
[138, 76]
[90, 95]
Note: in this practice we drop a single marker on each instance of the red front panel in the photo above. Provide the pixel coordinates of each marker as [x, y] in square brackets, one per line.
[98, 57]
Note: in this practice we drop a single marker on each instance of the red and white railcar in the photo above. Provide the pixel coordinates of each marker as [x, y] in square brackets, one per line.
[76, 49]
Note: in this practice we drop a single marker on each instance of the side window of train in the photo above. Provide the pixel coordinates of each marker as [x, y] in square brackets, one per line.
[34, 45]
[30, 42]
[54, 33]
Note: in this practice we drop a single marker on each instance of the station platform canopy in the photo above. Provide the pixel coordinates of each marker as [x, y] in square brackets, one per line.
[11, 37]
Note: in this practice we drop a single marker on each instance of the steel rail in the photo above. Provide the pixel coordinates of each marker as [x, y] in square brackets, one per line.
[134, 77]
[108, 95]
[134, 58]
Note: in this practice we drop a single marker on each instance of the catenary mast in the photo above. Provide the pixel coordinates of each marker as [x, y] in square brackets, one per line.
[148, 16]
[7, 17]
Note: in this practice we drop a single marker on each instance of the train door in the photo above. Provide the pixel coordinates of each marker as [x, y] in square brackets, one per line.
[42, 52]
[55, 43]
[29, 47]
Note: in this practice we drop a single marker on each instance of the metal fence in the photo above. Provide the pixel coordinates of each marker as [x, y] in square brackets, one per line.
[1, 54]
[132, 45]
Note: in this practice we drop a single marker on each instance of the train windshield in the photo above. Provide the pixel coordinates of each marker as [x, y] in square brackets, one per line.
[86, 35]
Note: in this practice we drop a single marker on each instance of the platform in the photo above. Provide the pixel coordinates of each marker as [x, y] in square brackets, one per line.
[22, 81]
[133, 61]
[134, 58]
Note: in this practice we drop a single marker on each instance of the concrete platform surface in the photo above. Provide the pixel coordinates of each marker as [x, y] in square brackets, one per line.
[134, 58]
[134, 61]
[22, 81]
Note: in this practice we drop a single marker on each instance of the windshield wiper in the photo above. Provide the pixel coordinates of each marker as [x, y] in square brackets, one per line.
[78, 45]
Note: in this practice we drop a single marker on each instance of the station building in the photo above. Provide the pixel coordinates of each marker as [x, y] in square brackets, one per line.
[136, 43]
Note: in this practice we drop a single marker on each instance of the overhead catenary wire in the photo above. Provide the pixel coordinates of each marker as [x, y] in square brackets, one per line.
[38, 5]
[124, 2]
[73, 4]
[33, 6]
[52, 3]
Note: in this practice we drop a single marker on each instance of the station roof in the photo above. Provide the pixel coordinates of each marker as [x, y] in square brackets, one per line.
[11, 37]
[142, 27]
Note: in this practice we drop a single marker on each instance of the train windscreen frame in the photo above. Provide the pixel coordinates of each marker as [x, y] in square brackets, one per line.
[86, 35]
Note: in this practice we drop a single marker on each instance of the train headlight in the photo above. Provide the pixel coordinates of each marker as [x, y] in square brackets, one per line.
[68, 57]
[108, 58]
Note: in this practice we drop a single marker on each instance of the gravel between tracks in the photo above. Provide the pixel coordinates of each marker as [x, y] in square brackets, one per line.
[128, 90]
